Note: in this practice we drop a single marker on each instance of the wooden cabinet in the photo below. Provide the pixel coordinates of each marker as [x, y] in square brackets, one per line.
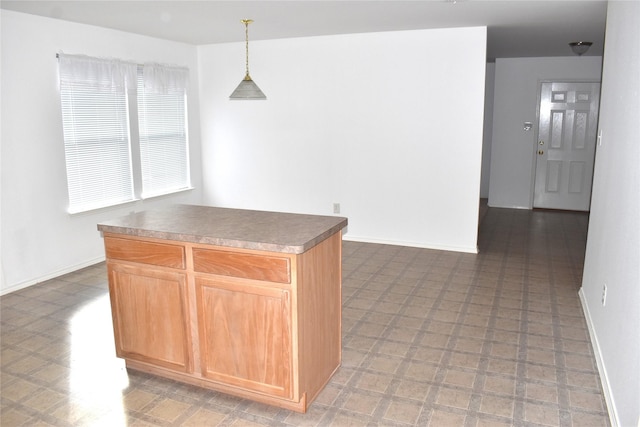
[245, 335]
[150, 316]
[257, 324]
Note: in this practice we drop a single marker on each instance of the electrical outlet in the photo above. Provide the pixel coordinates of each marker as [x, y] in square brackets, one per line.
[336, 208]
[604, 294]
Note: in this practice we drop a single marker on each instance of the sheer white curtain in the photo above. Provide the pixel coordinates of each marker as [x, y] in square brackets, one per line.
[97, 72]
[161, 78]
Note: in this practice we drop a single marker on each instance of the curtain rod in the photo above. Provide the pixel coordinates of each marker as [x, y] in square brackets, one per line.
[58, 57]
[137, 63]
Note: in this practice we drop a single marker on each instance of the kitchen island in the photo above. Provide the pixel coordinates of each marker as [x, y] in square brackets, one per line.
[243, 302]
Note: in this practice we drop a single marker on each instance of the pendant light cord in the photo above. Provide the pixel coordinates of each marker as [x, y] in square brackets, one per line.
[246, 23]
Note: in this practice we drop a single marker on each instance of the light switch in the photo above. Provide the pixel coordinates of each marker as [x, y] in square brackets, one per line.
[599, 137]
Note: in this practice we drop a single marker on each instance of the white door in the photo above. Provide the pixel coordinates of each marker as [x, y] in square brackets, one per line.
[566, 145]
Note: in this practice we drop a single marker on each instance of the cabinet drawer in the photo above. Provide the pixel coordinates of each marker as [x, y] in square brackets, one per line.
[145, 252]
[246, 266]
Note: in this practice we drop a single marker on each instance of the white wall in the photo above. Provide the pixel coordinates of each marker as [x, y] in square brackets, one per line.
[389, 125]
[488, 129]
[517, 85]
[39, 239]
[613, 245]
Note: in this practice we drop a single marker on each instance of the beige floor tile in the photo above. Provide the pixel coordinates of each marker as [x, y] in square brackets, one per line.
[507, 324]
[494, 405]
[472, 331]
[138, 399]
[470, 345]
[349, 421]
[545, 357]
[579, 362]
[460, 378]
[583, 419]
[169, 410]
[541, 392]
[15, 417]
[500, 385]
[541, 414]
[586, 400]
[18, 389]
[435, 340]
[385, 364]
[493, 422]
[504, 351]
[443, 418]
[421, 371]
[429, 355]
[500, 366]
[414, 390]
[454, 397]
[465, 360]
[362, 403]
[43, 399]
[401, 411]
[586, 380]
[374, 382]
[540, 372]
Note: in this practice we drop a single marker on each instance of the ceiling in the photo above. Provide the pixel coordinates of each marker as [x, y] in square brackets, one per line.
[516, 28]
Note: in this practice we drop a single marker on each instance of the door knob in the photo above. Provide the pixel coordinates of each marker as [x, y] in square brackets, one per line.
[540, 152]
[540, 142]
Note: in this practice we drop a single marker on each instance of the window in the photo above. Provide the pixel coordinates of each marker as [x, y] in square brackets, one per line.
[163, 134]
[99, 100]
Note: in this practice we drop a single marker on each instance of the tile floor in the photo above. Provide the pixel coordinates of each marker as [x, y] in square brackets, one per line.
[429, 338]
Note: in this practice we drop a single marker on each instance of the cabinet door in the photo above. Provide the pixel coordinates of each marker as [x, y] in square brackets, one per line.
[245, 335]
[149, 309]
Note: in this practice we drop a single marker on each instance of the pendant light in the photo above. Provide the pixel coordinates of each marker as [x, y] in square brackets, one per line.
[247, 89]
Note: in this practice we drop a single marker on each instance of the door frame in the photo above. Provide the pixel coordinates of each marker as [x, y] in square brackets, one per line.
[534, 145]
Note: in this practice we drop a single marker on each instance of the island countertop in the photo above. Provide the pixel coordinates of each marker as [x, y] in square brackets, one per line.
[238, 228]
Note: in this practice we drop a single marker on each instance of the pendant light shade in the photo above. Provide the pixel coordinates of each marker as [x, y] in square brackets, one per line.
[247, 89]
[580, 48]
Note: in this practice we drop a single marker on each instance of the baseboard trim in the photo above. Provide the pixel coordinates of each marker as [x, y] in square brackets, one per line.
[602, 370]
[465, 249]
[52, 275]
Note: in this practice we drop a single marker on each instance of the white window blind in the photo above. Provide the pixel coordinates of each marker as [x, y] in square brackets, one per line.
[96, 97]
[162, 118]
[96, 131]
